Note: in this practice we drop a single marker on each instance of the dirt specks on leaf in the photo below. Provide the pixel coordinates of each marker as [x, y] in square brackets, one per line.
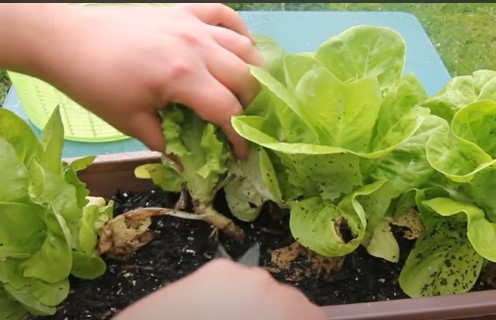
[411, 222]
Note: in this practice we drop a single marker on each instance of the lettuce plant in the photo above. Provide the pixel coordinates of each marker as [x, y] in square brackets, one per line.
[342, 138]
[351, 145]
[357, 146]
[198, 163]
[48, 229]
[459, 211]
[342, 124]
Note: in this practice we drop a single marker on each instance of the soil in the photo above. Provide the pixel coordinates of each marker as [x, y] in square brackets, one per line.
[181, 246]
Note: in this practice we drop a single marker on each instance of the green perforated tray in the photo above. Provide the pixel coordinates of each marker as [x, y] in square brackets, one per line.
[39, 99]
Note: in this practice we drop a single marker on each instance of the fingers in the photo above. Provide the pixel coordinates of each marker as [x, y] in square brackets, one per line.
[215, 103]
[217, 14]
[146, 127]
[303, 308]
[230, 66]
[239, 45]
[234, 74]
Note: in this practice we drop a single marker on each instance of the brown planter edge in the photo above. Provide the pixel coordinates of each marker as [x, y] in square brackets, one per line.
[113, 172]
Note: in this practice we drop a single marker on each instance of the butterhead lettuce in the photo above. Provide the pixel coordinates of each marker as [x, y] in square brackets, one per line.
[338, 124]
[351, 145]
[46, 233]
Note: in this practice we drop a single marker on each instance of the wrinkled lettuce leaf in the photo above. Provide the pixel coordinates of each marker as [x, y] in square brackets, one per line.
[480, 232]
[30, 229]
[364, 51]
[480, 192]
[165, 177]
[442, 262]
[469, 147]
[19, 135]
[336, 117]
[272, 54]
[295, 66]
[476, 123]
[329, 116]
[276, 112]
[71, 176]
[87, 266]
[14, 174]
[349, 109]
[317, 224]
[406, 167]
[461, 91]
[10, 309]
[202, 164]
[328, 176]
[250, 184]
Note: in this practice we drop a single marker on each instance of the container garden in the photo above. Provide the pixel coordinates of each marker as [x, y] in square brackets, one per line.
[347, 154]
[113, 173]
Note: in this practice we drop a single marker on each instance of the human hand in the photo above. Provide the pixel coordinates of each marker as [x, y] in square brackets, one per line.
[224, 290]
[125, 63]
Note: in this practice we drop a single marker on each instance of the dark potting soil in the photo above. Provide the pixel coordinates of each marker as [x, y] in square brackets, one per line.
[180, 246]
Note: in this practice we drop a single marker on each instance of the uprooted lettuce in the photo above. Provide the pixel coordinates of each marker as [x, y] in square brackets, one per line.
[48, 229]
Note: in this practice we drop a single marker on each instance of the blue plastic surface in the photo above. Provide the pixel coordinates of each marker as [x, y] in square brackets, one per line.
[298, 31]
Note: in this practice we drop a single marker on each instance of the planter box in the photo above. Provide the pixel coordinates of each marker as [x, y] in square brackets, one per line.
[116, 171]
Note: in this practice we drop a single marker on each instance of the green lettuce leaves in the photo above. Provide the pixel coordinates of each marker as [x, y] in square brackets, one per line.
[352, 146]
[48, 230]
[352, 138]
[343, 121]
[463, 208]
[198, 163]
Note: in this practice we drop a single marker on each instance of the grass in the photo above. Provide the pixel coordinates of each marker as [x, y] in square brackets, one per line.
[462, 33]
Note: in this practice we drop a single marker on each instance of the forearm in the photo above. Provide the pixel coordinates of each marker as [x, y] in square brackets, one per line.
[31, 34]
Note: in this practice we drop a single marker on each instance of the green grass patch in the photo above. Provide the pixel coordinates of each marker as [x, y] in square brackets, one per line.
[459, 31]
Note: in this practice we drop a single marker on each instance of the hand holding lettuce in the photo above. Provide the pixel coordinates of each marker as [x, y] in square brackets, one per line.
[340, 137]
